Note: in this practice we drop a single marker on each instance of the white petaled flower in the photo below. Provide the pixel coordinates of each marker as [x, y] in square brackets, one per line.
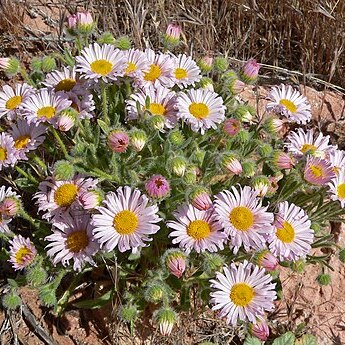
[196, 230]
[8, 155]
[56, 198]
[45, 105]
[72, 239]
[337, 160]
[101, 62]
[162, 102]
[65, 80]
[243, 217]
[290, 103]
[202, 109]
[292, 236]
[136, 63]
[185, 72]
[22, 252]
[126, 221]
[5, 219]
[243, 293]
[337, 188]
[159, 72]
[12, 99]
[301, 143]
[27, 137]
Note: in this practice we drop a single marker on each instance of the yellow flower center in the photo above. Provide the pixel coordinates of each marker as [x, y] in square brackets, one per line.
[341, 191]
[102, 67]
[65, 85]
[131, 67]
[47, 112]
[288, 105]
[126, 222]
[198, 229]
[153, 73]
[242, 218]
[77, 241]
[65, 194]
[21, 254]
[157, 109]
[287, 233]
[199, 110]
[241, 294]
[180, 73]
[3, 154]
[316, 171]
[13, 102]
[308, 147]
[21, 142]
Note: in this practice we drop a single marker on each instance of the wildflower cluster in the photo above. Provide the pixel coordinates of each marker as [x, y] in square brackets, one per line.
[152, 163]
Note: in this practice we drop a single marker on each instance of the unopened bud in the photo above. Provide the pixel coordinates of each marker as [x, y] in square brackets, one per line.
[201, 199]
[63, 170]
[266, 259]
[259, 330]
[232, 164]
[250, 71]
[206, 64]
[232, 127]
[221, 64]
[138, 139]
[166, 318]
[261, 184]
[48, 64]
[175, 261]
[118, 141]
[123, 43]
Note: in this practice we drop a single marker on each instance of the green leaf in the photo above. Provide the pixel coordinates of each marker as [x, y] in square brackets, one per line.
[307, 339]
[286, 339]
[95, 303]
[103, 125]
[252, 341]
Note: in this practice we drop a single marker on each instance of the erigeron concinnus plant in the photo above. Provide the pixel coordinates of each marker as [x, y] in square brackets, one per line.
[151, 166]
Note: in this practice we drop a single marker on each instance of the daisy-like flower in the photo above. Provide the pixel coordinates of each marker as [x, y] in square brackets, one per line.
[12, 99]
[292, 234]
[318, 171]
[301, 143]
[72, 239]
[243, 217]
[136, 63]
[22, 252]
[160, 70]
[201, 108]
[27, 137]
[162, 102]
[196, 230]
[244, 292]
[126, 220]
[337, 160]
[290, 103]
[44, 106]
[185, 72]
[56, 198]
[8, 156]
[337, 188]
[82, 101]
[101, 62]
[65, 80]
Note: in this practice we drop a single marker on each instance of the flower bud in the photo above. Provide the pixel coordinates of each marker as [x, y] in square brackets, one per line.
[171, 38]
[72, 23]
[63, 170]
[191, 175]
[166, 318]
[221, 63]
[85, 23]
[231, 127]
[206, 83]
[157, 122]
[175, 261]
[138, 139]
[236, 86]
[298, 265]
[4, 63]
[260, 330]
[206, 64]
[266, 259]
[243, 136]
[273, 180]
[128, 313]
[157, 187]
[273, 125]
[36, 64]
[118, 141]
[283, 160]
[48, 64]
[11, 300]
[10, 66]
[66, 119]
[265, 150]
[90, 199]
[250, 71]
[176, 138]
[212, 262]
[10, 206]
[249, 169]
[201, 199]
[123, 43]
[245, 113]
[324, 279]
[261, 184]
[106, 38]
[178, 166]
[155, 292]
[232, 164]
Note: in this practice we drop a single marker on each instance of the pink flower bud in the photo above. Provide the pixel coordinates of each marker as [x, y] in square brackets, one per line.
[118, 141]
[260, 330]
[4, 63]
[232, 164]
[202, 201]
[72, 21]
[283, 160]
[266, 260]
[236, 86]
[9, 207]
[250, 71]
[173, 31]
[64, 122]
[232, 126]
[90, 199]
[84, 18]
[206, 63]
[177, 266]
[157, 187]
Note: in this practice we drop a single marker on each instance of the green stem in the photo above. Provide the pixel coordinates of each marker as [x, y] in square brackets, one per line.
[27, 175]
[40, 163]
[27, 217]
[105, 104]
[61, 143]
[26, 77]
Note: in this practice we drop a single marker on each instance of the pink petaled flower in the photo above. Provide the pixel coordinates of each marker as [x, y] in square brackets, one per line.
[8, 155]
[201, 200]
[250, 71]
[283, 160]
[232, 164]
[157, 187]
[118, 141]
[173, 32]
[259, 330]
[337, 188]
[175, 260]
[82, 100]
[22, 252]
[337, 160]
[90, 199]
[4, 63]
[232, 127]
[266, 259]
[196, 230]
[318, 171]
[72, 239]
